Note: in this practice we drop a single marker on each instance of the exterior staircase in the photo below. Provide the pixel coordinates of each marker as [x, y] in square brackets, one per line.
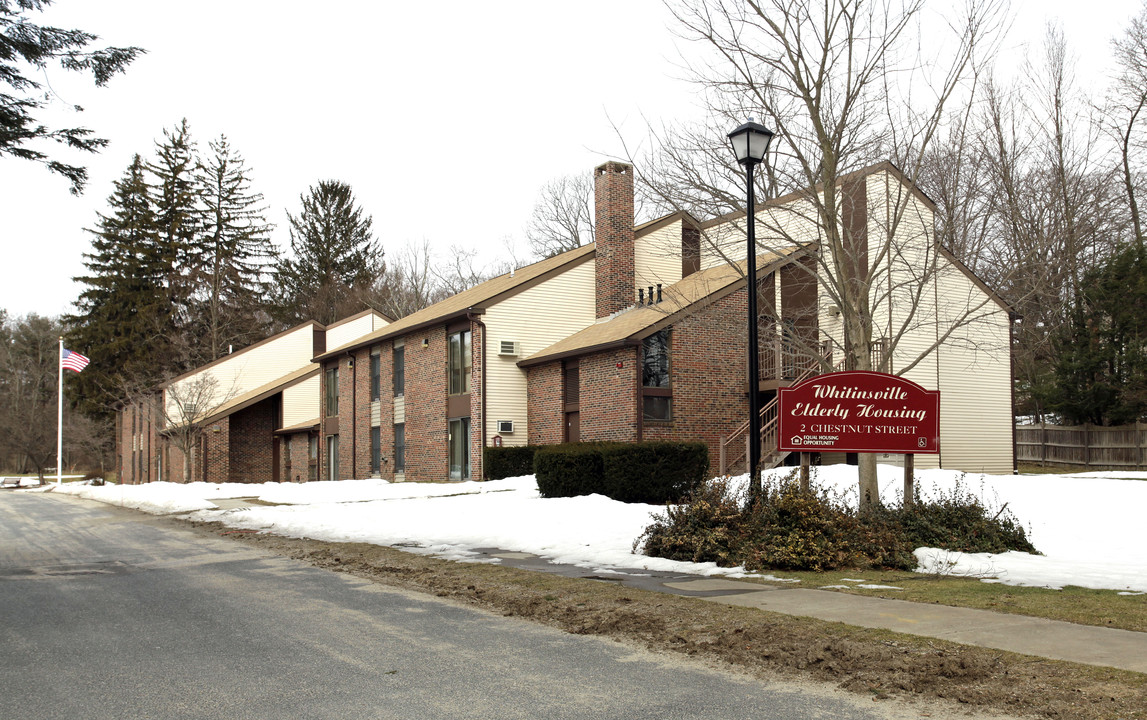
[734, 455]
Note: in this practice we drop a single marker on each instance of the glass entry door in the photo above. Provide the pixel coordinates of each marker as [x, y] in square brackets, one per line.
[460, 449]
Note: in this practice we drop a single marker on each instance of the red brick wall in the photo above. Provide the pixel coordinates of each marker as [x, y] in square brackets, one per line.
[707, 375]
[385, 410]
[544, 409]
[608, 406]
[217, 438]
[354, 415]
[708, 372]
[138, 443]
[426, 428]
[293, 457]
[251, 445]
[613, 208]
[425, 400]
[173, 462]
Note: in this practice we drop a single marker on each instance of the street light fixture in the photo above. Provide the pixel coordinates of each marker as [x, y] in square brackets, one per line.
[750, 144]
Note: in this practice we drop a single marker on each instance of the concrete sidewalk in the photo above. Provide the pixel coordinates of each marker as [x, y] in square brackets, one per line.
[1057, 640]
[1053, 639]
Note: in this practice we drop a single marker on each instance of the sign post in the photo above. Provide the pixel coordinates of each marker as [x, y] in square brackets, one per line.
[860, 411]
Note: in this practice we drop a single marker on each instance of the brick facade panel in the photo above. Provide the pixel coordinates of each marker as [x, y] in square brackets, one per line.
[545, 416]
[425, 399]
[608, 384]
[251, 442]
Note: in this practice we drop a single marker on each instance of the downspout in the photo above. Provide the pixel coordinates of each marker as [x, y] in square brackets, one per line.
[472, 317]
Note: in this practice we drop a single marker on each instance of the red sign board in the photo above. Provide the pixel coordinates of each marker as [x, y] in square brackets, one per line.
[858, 411]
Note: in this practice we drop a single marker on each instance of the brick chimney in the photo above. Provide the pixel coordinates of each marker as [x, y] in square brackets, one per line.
[613, 231]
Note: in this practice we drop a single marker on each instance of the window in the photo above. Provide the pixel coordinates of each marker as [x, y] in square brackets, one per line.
[375, 376]
[332, 457]
[399, 371]
[400, 447]
[313, 457]
[655, 360]
[460, 449]
[375, 450]
[656, 393]
[332, 391]
[459, 362]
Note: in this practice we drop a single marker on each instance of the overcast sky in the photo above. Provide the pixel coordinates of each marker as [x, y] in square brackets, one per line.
[445, 118]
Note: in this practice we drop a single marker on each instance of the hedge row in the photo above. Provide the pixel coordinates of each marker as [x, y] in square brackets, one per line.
[504, 462]
[645, 472]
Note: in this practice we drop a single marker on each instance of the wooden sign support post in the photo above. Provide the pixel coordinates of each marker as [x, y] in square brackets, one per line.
[909, 479]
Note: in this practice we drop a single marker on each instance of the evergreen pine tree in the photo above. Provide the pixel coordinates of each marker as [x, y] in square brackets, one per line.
[335, 257]
[1101, 363]
[236, 251]
[123, 319]
[174, 201]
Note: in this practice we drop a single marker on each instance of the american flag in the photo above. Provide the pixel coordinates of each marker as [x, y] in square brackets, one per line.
[73, 361]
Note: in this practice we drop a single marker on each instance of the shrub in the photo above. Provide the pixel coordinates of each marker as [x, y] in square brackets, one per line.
[504, 462]
[653, 472]
[569, 469]
[790, 529]
[960, 520]
[703, 529]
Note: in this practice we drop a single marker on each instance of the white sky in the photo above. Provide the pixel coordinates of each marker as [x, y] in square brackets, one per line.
[445, 118]
[1091, 538]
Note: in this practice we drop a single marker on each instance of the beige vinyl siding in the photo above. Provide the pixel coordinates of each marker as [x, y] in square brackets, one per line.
[975, 378]
[340, 334]
[904, 306]
[399, 409]
[300, 402]
[657, 257]
[534, 318]
[777, 228]
[250, 368]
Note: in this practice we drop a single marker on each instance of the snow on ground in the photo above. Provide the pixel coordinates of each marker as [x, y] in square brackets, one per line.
[1088, 526]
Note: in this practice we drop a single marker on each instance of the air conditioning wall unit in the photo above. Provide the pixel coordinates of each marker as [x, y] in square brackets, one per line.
[509, 347]
[505, 426]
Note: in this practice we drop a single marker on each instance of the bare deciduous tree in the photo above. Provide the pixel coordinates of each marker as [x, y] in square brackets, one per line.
[184, 407]
[841, 84]
[563, 216]
[1126, 112]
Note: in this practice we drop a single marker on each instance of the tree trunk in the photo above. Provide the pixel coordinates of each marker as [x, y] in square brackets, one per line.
[869, 486]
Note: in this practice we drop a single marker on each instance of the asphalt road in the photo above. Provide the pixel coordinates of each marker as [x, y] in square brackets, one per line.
[109, 613]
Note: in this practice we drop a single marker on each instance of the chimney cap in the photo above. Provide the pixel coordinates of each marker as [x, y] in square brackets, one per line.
[613, 166]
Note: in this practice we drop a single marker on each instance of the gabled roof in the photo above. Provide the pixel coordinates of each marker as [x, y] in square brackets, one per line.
[887, 166]
[305, 426]
[474, 300]
[249, 398]
[241, 353]
[633, 325]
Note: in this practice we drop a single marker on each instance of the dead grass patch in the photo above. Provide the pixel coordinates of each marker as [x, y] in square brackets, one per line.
[874, 662]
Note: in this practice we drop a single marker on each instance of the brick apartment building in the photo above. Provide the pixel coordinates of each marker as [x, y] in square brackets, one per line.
[250, 416]
[639, 335]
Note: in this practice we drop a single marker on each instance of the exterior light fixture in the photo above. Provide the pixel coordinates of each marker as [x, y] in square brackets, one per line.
[750, 144]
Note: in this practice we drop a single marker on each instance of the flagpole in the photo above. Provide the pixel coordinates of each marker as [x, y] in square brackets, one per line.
[60, 418]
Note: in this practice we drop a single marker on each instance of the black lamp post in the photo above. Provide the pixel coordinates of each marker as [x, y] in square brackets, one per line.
[750, 143]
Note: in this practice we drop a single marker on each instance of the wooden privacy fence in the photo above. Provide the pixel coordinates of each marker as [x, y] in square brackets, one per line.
[1086, 445]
